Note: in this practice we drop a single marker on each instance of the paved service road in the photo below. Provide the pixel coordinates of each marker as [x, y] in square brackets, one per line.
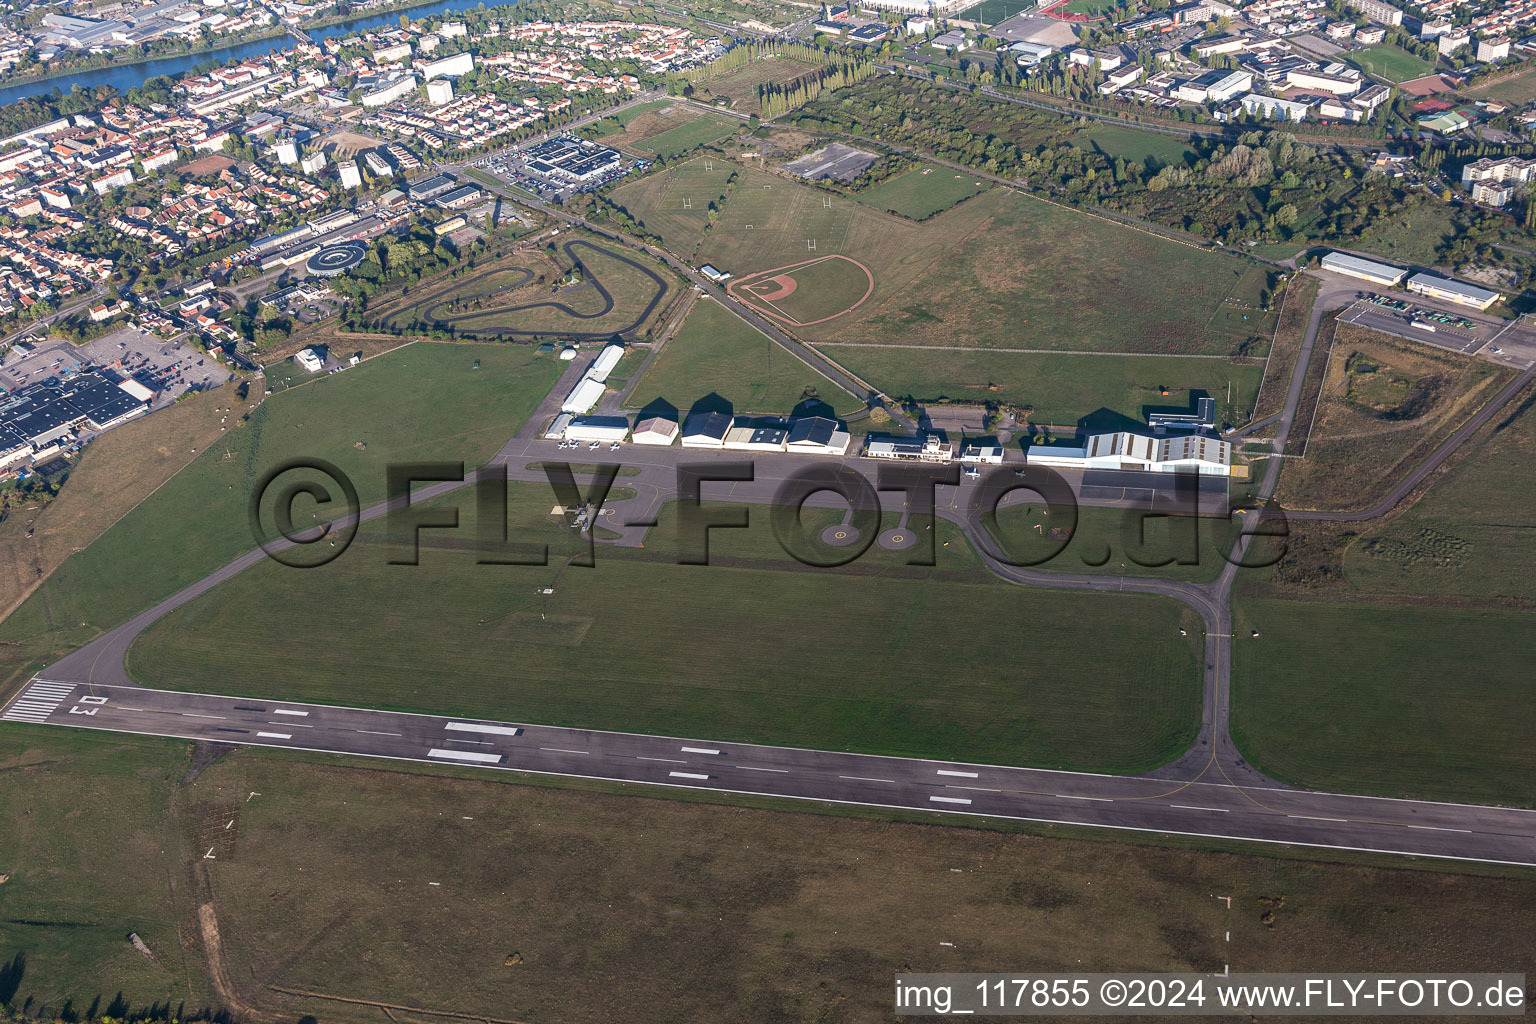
[1203, 808]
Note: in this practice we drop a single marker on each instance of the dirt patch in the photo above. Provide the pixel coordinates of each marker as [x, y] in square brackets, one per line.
[207, 165]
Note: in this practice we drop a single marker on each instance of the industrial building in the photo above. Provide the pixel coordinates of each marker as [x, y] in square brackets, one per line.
[1203, 418]
[1123, 450]
[655, 430]
[817, 435]
[1367, 270]
[574, 159]
[754, 439]
[589, 390]
[1452, 291]
[706, 430]
[35, 420]
[606, 429]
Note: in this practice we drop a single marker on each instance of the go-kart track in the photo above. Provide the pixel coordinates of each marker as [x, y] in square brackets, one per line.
[335, 260]
[469, 323]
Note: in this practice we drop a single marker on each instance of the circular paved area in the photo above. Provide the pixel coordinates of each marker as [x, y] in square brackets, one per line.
[898, 539]
[839, 536]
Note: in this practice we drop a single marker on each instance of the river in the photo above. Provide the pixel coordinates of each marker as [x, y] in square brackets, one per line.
[123, 77]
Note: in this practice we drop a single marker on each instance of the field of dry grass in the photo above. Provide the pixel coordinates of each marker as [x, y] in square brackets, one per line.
[740, 87]
[116, 472]
[610, 903]
[1357, 449]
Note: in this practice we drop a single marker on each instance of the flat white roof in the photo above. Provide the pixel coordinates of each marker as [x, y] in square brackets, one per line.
[1446, 284]
[1355, 265]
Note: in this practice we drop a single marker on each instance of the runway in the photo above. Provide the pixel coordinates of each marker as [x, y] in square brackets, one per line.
[1207, 806]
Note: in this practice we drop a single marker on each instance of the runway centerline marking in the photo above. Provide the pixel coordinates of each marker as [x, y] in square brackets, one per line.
[562, 750]
[1189, 807]
[668, 760]
[749, 768]
[1308, 817]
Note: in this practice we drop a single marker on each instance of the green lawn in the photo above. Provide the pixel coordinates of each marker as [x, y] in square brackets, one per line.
[924, 191]
[1413, 236]
[1133, 144]
[1115, 542]
[716, 352]
[1418, 701]
[686, 137]
[1063, 387]
[1389, 62]
[424, 402]
[760, 651]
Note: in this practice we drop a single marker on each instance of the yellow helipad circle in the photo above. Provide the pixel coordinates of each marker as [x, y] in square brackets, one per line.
[841, 535]
[897, 539]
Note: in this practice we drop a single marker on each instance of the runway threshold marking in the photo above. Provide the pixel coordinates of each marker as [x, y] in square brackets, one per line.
[687, 775]
[701, 750]
[275, 735]
[959, 775]
[949, 799]
[285, 711]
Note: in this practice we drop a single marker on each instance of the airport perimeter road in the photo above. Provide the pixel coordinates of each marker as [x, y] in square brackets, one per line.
[1205, 808]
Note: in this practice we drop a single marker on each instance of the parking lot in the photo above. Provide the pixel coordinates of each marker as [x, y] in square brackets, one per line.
[1511, 343]
[169, 368]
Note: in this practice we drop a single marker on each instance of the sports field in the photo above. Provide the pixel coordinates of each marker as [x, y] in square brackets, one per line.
[993, 12]
[424, 402]
[674, 205]
[772, 654]
[717, 353]
[1421, 701]
[700, 131]
[1517, 89]
[923, 192]
[1389, 62]
[1002, 270]
[1063, 388]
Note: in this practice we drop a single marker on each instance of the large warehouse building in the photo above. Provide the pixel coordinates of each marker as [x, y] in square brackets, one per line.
[36, 419]
[589, 390]
[1452, 291]
[1209, 456]
[1367, 270]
